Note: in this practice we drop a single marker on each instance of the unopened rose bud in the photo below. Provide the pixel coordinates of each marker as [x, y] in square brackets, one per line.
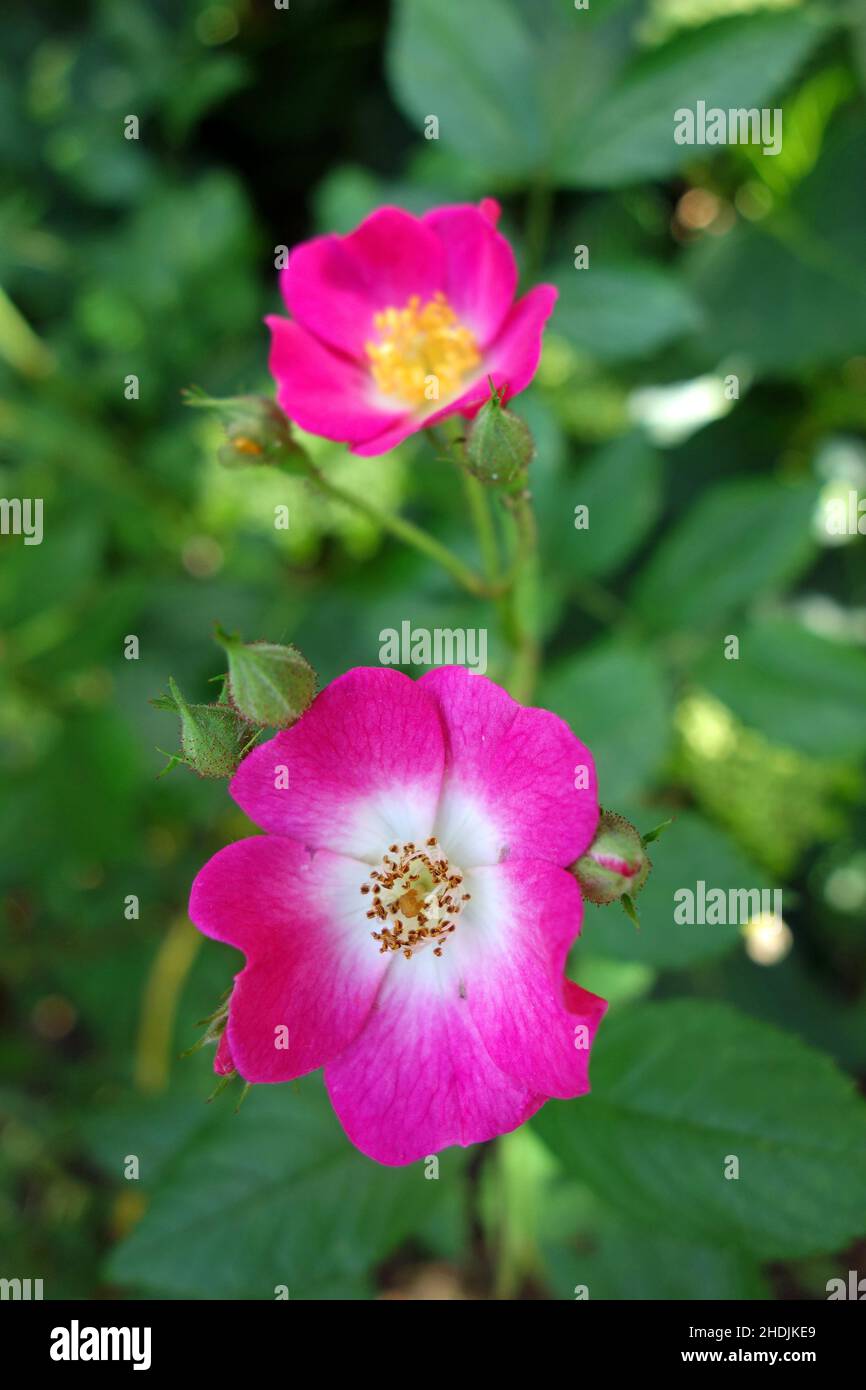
[213, 738]
[499, 445]
[257, 430]
[268, 684]
[616, 865]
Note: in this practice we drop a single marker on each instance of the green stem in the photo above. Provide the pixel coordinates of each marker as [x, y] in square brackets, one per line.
[482, 520]
[453, 446]
[407, 532]
[522, 597]
[517, 590]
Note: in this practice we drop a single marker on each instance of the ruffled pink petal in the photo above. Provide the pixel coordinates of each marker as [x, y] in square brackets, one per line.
[513, 357]
[480, 270]
[334, 285]
[325, 394]
[361, 769]
[390, 438]
[509, 789]
[312, 969]
[514, 939]
[418, 1078]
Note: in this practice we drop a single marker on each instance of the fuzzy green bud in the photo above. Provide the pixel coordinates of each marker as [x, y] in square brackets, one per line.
[499, 445]
[268, 684]
[257, 431]
[616, 865]
[213, 738]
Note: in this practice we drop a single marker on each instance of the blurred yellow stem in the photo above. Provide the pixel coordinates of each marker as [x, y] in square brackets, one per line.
[19, 345]
[168, 975]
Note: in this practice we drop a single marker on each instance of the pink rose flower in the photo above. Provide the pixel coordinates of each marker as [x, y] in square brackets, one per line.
[407, 917]
[401, 323]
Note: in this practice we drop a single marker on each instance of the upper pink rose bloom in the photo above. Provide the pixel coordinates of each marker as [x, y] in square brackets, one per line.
[408, 915]
[401, 323]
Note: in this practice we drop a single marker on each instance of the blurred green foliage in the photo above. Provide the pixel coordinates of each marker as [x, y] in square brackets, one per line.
[154, 257]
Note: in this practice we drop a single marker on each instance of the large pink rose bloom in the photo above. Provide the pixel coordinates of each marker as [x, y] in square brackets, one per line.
[407, 917]
[401, 323]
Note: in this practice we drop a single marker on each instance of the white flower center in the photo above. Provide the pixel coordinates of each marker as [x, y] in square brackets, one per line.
[415, 898]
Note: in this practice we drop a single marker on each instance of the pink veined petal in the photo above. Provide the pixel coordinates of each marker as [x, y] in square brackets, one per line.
[320, 391]
[537, 1026]
[360, 770]
[333, 285]
[589, 1008]
[312, 970]
[419, 1079]
[510, 772]
[480, 270]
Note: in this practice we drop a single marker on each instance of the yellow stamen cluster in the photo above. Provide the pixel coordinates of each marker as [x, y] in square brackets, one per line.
[423, 352]
[414, 897]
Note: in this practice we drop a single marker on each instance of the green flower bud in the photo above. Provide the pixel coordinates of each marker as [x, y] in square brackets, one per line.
[258, 432]
[213, 738]
[499, 445]
[267, 684]
[616, 865]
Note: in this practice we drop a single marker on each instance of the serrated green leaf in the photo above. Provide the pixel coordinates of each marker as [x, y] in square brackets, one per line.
[681, 1088]
[740, 62]
[631, 1263]
[691, 850]
[797, 688]
[508, 79]
[614, 697]
[274, 1194]
[615, 313]
[621, 485]
[742, 539]
[788, 293]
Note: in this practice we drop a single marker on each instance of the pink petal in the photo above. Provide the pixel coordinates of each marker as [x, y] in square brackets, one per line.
[509, 790]
[512, 358]
[223, 1063]
[419, 1079]
[312, 967]
[537, 1026]
[363, 765]
[334, 285]
[480, 271]
[323, 393]
[391, 437]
